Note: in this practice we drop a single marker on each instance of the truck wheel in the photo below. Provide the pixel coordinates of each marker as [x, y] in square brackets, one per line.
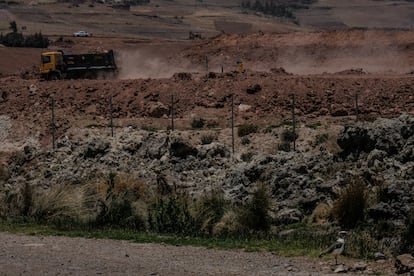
[55, 76]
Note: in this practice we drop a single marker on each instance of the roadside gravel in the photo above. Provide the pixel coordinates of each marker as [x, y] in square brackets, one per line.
[39, 255]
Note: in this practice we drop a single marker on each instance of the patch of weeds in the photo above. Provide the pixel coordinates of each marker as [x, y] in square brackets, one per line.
[269, 129]
[4, 173]
[361, 244]
[171, 215]
[320, 139]
[289, 135]
[408, 235]
[314, 126]
[285, 123]
[207, 139]
[245, 140]
[284, 146]
[95, 126]
[149, 128]
[197, 123]
[247, 156]
[247, 129]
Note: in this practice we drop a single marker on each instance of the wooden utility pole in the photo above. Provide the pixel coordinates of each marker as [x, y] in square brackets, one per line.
[52, 123]
[293, 122]
[232, 124]
[172, 112]
[356, 107]
[111, 116]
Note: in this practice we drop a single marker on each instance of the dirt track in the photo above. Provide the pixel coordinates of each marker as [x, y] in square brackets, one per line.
[31, 255]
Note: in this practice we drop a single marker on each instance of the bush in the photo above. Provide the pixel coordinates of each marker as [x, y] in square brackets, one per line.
[210, 210]
[171, 215]
[247, 157]
[245, 140]
[207, 139]
[408, 235]
[15, 39]
[284, 146]
[246, 129]
[361, 244]
[349, 208]
[115, 206]
[197, 123]
[271, 7]
[254, 216]
[289, 136]
[320, 139]
[36, 41]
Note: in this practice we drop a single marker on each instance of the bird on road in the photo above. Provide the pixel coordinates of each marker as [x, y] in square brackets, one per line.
[336, 248]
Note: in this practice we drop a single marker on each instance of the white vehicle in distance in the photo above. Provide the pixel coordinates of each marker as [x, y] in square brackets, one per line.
[82, 33]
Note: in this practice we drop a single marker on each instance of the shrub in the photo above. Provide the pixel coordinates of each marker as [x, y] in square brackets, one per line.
[197, 123]
[27, 198]
[116, 203]
[17, 202]
[247, 157]
[4, 173]
[315, 125]
[207, 139]
[408, 235]
[246, 129]
[320, 139]
[349, 208]
[210, 210]
[361, 244]
[15, 39]
[275, 8]
[254, 215]
[171, 215]
[289, 135]
[284, 146]
[245, 140]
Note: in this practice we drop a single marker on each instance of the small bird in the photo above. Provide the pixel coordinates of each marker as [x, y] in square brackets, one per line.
[336, 248]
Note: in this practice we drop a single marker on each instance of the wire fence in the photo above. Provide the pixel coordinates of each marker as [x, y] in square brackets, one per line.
[292, 105]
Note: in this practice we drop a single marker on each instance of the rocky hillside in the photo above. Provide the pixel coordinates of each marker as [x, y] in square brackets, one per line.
[380, 153]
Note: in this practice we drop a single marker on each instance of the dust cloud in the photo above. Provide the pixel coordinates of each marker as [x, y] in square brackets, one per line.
[135, 64]
[368, 52]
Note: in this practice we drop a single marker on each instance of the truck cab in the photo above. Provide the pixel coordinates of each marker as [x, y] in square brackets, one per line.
[51, 65]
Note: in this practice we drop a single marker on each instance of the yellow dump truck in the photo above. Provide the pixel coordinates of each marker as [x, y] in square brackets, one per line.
[58, 65]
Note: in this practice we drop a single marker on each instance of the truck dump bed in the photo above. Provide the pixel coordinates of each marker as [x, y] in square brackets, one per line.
[97, 61]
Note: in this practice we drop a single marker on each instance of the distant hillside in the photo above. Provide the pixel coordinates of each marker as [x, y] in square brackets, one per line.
[186, 19]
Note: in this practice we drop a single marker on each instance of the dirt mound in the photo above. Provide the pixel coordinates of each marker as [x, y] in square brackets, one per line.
[202, 75]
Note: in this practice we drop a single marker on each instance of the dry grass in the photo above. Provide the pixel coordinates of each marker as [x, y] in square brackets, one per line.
[63, 202]
[320, 215]
[349, 208]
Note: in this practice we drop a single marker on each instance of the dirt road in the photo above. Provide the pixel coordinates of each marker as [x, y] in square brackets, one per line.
[35, 255]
